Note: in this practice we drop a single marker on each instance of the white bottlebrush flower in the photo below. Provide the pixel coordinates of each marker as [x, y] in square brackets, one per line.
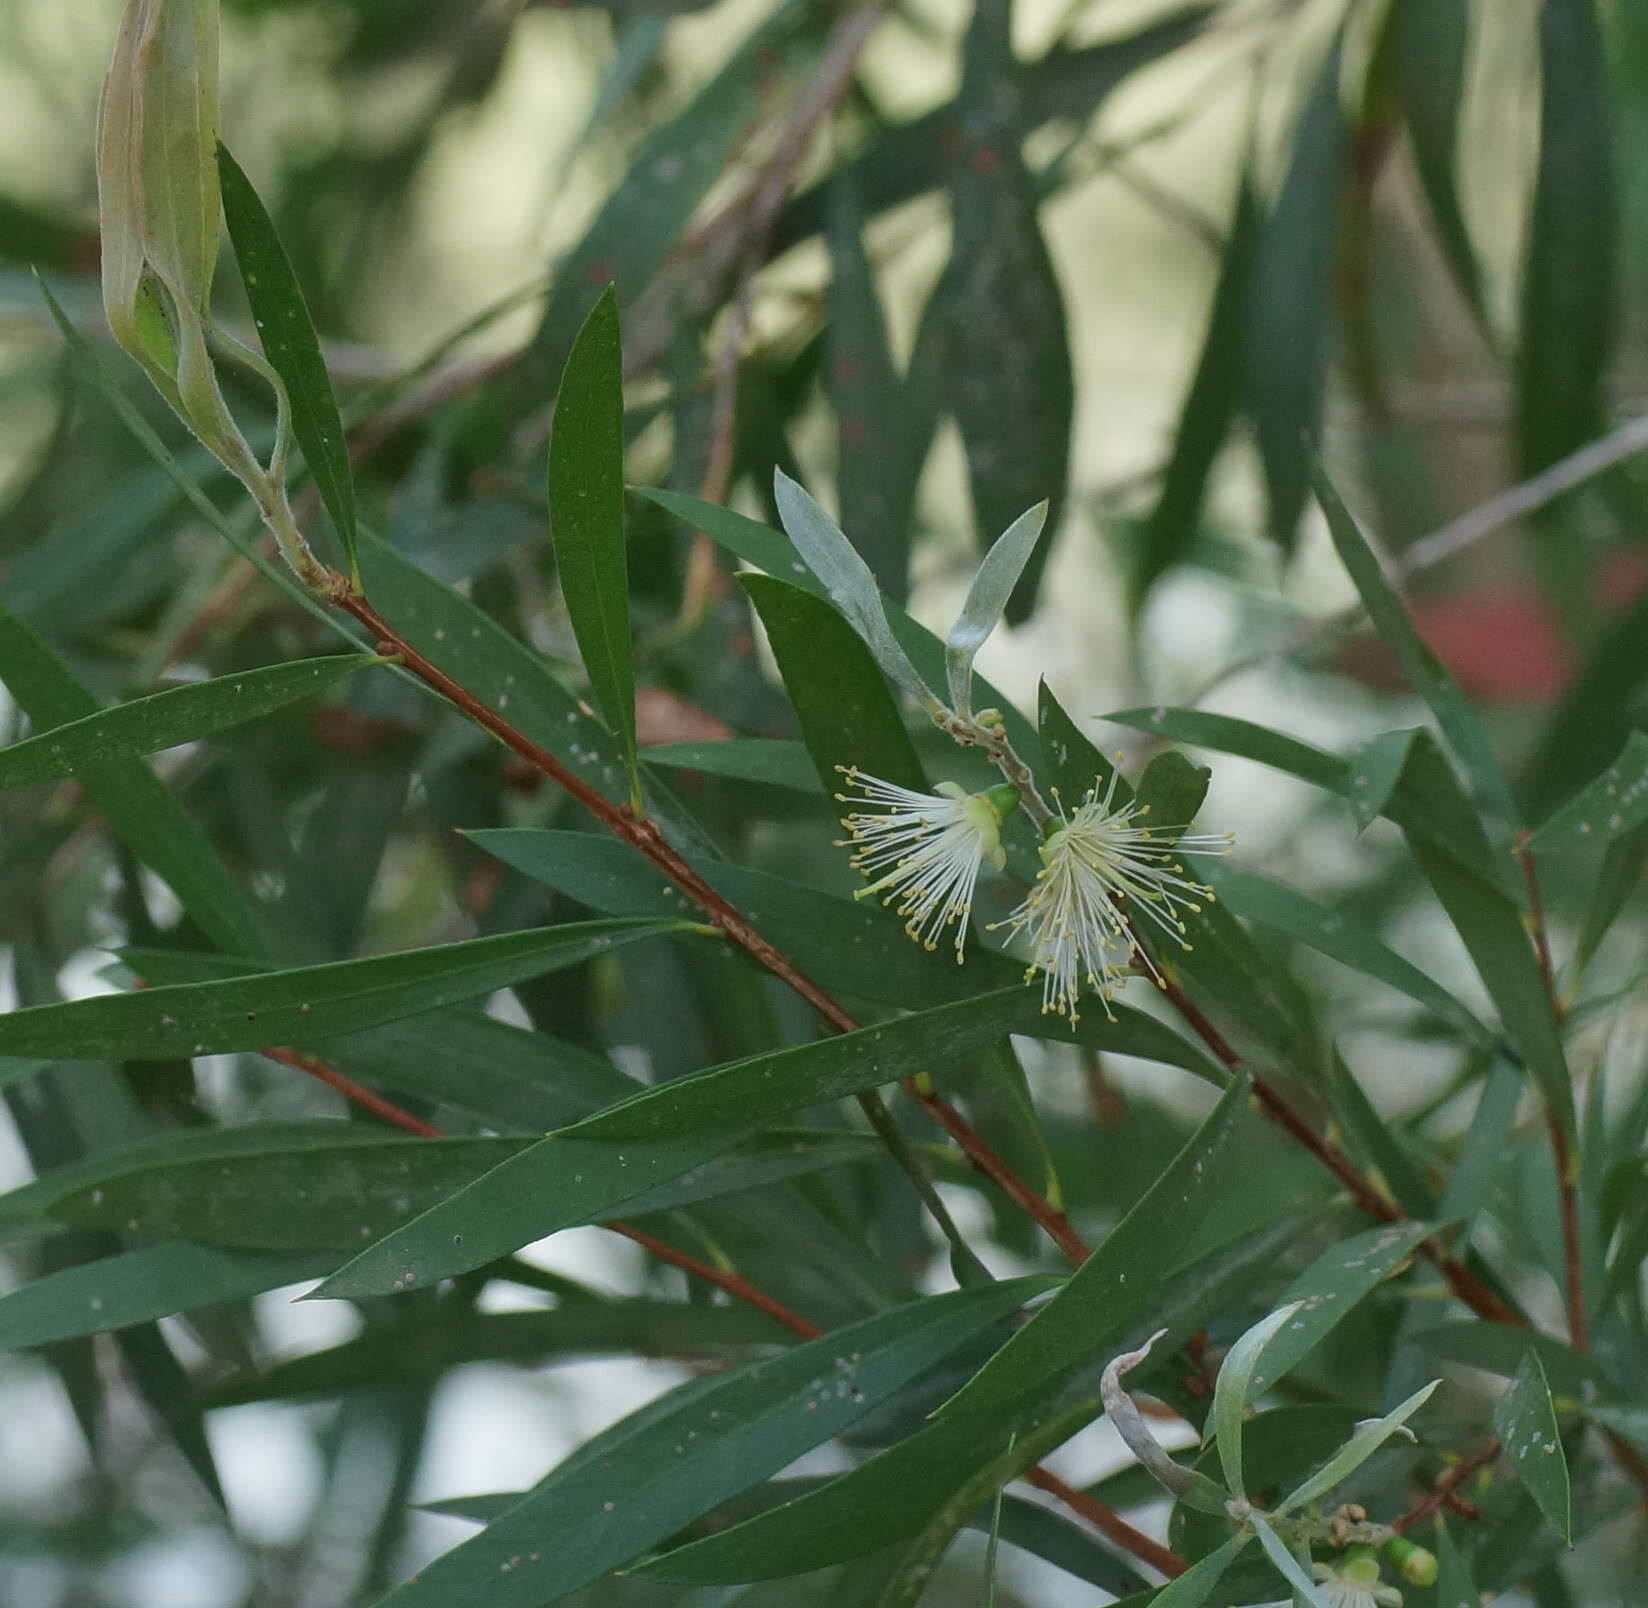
[923, 850]
[1099, 867]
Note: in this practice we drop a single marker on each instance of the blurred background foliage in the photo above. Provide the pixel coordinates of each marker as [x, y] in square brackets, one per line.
[939, 262]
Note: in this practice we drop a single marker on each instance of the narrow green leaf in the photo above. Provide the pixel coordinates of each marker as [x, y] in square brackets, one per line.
[845, 577]
[292, 347]
[136, 804]
[768, 1085]
[1284, 910]
[1483, 1151]
[1326, 1292]
[1454, 1586]
[1114, 1286]
[1235, 1388]
[1569, 272]
[417, 1352]
[1227, 734]
[772, 551]
[1208, 411]
[774, 762]
[586, 511]
[1356, 1451]
[638, 1482]
[1497, 1348]
[306, 1002]
[140, 1286]
[986, 601]
[1286, 351]
[1305, 1590]
[1425, 672]
[1613, 804]
[1526, 1422]
[887, 1498]
[1025, 1446]
[1195, 1585]
[554, 1184]
[165, 719]
[333, 1197]
[1427, 43]
[847, 715]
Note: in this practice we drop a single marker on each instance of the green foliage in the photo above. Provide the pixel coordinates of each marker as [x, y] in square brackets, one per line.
[1328, 1143]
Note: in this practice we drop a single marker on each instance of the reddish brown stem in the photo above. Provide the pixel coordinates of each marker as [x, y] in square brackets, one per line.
[1443, 1492]
[1463, 1282]
[1105, 1519]
[643, 836]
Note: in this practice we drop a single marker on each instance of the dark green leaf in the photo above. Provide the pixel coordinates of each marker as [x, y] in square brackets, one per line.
[1110, 1290]
[1526, 1421]
[136, 803]
[306, 1002]
[1569, 273]
[1227, 734]
[776, 763]
[637, 1483]
[139, 1286]
[1425, 672]
[165, 719]
[1286, 350]
[1208, 412]
[290, 344]
[586, 510]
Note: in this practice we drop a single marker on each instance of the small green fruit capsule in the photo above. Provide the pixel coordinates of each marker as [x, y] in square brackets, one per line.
[1415, 1565]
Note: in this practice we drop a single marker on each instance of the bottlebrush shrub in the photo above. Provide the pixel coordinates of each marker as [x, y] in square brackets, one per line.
[1354, 1357]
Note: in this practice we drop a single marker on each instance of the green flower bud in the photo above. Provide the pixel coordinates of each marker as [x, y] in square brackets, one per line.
[1415, 1565]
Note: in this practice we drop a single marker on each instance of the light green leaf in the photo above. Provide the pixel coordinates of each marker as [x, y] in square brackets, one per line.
[1288, 1566]
[846, 577]
[986, 601]
[292, 347]
[1356, 1451]
[1236, 1387]
[1195, 1585]
[640, 1481]
[1527, 1425]
[165, 719]
[305, 1002]
[586, 511]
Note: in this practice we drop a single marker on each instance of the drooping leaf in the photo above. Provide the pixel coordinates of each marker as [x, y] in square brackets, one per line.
[292, 347]
[165, 719]
[1236, 1387]
[1569, 271]
[139, 809]
[586, 511]
[1285, 353]
[1208, 411]
[633, 1485]
[305, 1002]
[1526, 1421]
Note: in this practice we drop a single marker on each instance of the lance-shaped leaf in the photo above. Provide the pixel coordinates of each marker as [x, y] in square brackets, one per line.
[1236, 1387]
[1195, 1585]
[1114, 1286]
[586, 513]
[1305, 1590]
[1526, 1421]
[987, 601]
[1356, 1451]
[165, 719]
[245, 1013]
[1615, 803]
[1425, 672]
[638, 1482]
[846, 577]
[292, 347]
